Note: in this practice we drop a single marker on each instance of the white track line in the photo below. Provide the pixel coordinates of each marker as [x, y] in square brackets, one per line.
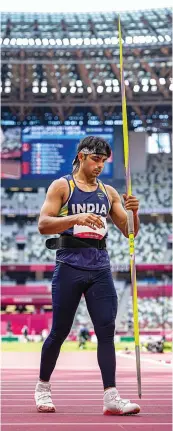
[150, 361]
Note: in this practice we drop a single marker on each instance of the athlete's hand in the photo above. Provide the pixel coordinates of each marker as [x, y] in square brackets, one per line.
[131, 203]
[88, 219]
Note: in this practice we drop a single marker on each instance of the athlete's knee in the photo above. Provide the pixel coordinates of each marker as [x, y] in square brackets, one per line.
[106, 332]
[58, 335]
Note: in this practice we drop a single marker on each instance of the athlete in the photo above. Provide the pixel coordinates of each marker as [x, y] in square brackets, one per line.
[76, 207]
[84, 336]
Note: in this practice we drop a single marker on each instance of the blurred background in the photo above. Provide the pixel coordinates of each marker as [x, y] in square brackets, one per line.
[60, 81]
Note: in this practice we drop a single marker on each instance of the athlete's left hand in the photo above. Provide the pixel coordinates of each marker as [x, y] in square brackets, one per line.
[131, 203]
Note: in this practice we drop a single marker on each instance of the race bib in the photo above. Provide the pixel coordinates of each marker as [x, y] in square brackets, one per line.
[88, 232]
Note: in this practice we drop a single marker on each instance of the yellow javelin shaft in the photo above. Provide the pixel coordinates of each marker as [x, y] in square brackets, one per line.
[124, 113]
[130, 216]
[129, 188]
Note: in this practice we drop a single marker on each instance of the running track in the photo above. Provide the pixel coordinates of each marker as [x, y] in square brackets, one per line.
[77, 393]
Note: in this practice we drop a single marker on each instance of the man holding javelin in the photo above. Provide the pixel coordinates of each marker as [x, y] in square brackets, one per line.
[76, 207]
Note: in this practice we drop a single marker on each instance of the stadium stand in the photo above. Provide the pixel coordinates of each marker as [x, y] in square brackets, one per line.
[154, 187]
[150, 244]
[152, 312]
[22, 202]
[11, 141]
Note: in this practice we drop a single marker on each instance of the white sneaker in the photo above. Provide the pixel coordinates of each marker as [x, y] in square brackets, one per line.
[43, 397]
[114, 405]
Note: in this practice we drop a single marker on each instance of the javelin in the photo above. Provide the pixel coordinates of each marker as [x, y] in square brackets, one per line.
[130, 218]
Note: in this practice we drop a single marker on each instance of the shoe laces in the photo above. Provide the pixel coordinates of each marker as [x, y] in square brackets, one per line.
[114, 396]
[44, 392]
[45, 396]
[43, 388]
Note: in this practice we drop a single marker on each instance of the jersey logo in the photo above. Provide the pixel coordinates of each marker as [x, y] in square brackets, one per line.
[100, 195]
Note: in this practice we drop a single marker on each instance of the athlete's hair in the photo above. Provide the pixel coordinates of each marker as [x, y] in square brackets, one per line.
[99, 145]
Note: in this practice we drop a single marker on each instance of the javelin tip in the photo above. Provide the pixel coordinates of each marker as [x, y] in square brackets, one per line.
[138, 369]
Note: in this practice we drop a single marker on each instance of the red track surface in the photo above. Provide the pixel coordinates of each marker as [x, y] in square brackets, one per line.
[78, 396]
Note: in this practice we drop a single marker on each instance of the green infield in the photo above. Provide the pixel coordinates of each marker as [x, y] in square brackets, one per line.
[68, 346]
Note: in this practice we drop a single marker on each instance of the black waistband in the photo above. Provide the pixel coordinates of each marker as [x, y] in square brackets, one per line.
[69, 241]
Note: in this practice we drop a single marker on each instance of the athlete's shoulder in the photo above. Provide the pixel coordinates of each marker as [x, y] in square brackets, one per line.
[68, 177]
[110, 188]
[59, 184]
[112, 192]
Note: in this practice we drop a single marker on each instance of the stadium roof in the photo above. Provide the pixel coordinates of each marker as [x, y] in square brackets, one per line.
[67, 60]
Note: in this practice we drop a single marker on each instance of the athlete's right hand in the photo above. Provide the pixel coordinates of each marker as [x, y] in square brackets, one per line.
[88, 219]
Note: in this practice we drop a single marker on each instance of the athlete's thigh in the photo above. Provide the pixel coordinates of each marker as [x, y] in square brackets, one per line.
[101, 298]
[67, 285]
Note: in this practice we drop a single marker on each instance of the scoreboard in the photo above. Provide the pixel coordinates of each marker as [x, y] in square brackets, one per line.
[48, 151]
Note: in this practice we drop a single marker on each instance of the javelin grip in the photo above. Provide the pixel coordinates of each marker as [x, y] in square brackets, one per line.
[130, 221]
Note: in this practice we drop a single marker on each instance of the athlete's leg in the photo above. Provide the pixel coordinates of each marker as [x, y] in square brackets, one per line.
[67, 286]
[102, 304]
[101, 299]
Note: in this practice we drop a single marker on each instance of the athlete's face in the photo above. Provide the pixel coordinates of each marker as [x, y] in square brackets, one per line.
[93, 164]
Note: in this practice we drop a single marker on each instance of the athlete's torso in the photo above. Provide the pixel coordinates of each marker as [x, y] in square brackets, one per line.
[96, 202]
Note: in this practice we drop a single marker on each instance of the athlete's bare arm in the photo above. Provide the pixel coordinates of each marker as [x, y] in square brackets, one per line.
[118, 213]
[49, 223]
